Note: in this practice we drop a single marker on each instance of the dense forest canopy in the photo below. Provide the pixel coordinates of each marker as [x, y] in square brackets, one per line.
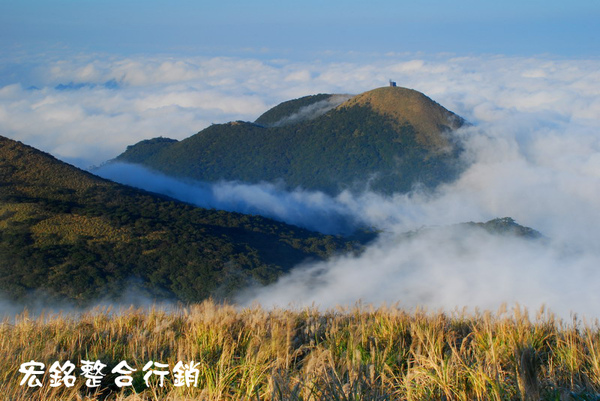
[71, 235]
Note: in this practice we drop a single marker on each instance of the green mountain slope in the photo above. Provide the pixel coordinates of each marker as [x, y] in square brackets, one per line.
[71, 235]
[391, 138]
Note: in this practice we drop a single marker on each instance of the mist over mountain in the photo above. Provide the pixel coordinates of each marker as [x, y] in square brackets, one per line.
[313, 210]
[302, 109]
[387, 140]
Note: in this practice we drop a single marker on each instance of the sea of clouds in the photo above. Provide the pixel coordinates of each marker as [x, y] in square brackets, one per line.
[534, 154]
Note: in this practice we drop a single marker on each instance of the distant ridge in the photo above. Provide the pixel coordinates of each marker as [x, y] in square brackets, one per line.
[388, 140]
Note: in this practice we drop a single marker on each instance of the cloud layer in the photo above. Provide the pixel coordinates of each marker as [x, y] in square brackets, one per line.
[150, 96]
[544, 175]
[445, 269]
[534, 149]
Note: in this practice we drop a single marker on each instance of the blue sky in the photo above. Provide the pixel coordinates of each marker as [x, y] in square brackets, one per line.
[301, 29]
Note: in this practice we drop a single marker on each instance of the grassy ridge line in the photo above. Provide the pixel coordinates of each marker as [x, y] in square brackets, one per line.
[407, 106]
[358, 354]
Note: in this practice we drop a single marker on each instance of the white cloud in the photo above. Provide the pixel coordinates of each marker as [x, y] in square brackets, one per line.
[544, 177]
[445, 269]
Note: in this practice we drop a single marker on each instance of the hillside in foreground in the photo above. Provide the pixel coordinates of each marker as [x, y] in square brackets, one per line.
[293, 355]
[66, 234]
[388, 139]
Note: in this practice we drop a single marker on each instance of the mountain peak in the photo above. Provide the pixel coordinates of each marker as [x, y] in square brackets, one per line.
[408, 106]
[388, 139]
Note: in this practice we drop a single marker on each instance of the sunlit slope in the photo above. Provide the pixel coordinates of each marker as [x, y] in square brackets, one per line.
[68, 234]
[408, 107]
[388, 139]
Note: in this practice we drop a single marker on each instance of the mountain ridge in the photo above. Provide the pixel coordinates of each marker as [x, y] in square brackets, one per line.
[74, 236]
[363, 142]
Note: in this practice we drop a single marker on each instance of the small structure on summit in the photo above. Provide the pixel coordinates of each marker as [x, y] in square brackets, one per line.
[392, 83]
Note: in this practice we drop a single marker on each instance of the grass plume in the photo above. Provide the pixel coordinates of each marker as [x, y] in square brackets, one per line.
[362, 353]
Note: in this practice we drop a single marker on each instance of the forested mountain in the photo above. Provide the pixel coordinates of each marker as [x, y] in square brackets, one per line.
[388, 139]
[67, 234]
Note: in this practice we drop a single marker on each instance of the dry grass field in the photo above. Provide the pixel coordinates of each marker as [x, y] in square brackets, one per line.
[361, 353]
